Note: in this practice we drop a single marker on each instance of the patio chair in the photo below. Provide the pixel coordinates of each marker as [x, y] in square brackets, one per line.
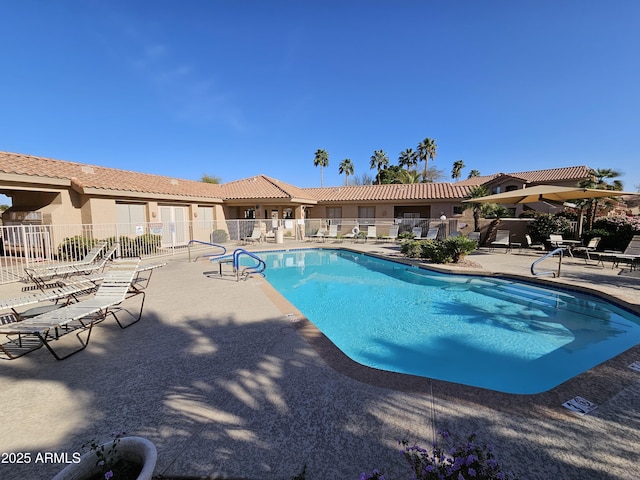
[588, 248]
[392, 236]
[47, 300]
[256, 236]
[631, 254]
[319, 235]
[432, 233]
[333, 231]
[77, 317]
[474, 236]
[534, 245]
[503, 239]
[40, 276]
[417, 233]
[371, 233]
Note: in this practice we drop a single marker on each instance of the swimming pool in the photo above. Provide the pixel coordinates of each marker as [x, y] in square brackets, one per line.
[487, 332]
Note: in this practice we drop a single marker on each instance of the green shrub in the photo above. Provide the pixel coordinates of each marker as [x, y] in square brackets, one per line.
[139, 245]
[406, 236]
[458, 247]
[411, 248]
[546, 224]
[219, 236]
[74, 248]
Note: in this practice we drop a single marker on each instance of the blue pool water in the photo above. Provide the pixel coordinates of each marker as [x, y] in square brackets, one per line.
[492, 333]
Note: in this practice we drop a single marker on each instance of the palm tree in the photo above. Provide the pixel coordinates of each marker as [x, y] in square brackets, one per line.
[458, 165]
[474, 173]
[346, 167]
[599, 180]
[321, 159]
[408, 176]
[478, 207]
[379, 159]
[427, 150]
[408, 159]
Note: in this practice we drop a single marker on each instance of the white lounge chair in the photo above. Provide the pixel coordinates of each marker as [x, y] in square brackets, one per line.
[588, 248]
[41, 275]
[392, 235]
[503, 239]
[81, 316]
[534, 245]
[432, 233]
[371, 233]
[333, 231]
[256, 236]
[319, 235]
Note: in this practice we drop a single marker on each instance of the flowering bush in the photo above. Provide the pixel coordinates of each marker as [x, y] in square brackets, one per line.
[468, 460]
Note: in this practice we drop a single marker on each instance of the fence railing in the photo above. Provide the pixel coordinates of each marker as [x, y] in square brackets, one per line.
[26, 245]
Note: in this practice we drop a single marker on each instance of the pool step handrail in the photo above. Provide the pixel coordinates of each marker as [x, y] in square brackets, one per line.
[258, 268]
[559, 252]
[209, 255]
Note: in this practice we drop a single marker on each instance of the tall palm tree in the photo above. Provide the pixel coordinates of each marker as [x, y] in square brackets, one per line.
[478, 207]
[474, 173]
[379, 159]
[322, 160]
[408, 159]
[427, 150]
[346, 167]
[599, 180]
[458, 165]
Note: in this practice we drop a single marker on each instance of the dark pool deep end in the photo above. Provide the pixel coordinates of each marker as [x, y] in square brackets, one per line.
[488, 332]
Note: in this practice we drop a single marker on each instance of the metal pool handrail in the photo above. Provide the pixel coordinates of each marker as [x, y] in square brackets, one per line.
[224, 250]
[560, 252]
[260, 267]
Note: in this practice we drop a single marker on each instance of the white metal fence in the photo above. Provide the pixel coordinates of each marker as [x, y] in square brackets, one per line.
[27, 245]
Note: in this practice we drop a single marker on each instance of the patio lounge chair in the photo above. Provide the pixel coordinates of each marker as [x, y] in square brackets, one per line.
[432, 233]
[59, 296]
[256, 236]
[503, 239]
[588, 248]
[534, 245]
[319, 235]
[631, 254]
[77, 317]
[417, 233]
[333, 231]
[392, 236]
[353, 235]
[371, 233]
[41, 275]
[474, 236]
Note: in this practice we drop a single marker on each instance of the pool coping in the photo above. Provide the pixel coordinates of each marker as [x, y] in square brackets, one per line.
[598, 384]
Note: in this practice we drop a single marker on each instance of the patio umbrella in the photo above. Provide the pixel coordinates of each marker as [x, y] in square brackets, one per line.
[549, 193]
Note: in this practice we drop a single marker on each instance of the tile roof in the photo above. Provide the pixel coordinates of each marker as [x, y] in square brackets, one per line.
[411, 191]
[562, 174]
[83, 176]
[263, 187]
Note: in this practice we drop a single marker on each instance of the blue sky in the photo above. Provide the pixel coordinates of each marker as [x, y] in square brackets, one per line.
[234, 89]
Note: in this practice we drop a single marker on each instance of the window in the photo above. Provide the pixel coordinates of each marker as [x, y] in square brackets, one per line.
[249, 213]
[205, 218]
[511, 188]
[366, 212]
[128, 215]
[334, 212]
[457, 210]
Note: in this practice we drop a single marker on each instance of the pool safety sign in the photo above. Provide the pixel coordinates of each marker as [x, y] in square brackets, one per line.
[635, 366]
[579, 405]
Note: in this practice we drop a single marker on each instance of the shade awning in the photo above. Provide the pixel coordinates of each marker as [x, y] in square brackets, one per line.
[541, 193]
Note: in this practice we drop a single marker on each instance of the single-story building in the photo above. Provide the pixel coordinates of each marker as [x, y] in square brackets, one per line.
[54, 192]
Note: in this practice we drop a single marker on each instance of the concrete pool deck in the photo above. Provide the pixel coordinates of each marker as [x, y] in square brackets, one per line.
[227, 380]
